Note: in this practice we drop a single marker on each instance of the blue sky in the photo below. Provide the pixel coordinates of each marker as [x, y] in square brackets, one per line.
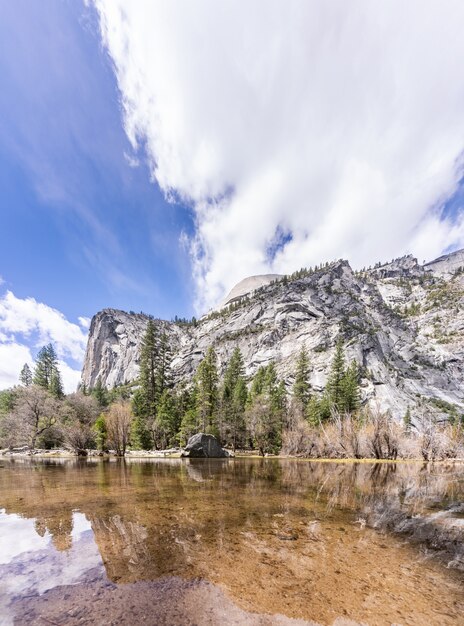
[81, 228]
[153, 154]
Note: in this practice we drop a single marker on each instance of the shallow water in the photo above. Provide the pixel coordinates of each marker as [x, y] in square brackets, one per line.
[308, 540]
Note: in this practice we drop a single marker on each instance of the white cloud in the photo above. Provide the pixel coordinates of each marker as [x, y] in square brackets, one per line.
[12, 358]
[70, 377]
[26, 316]
[84, 322]
[25, 324]
[19, 536]
[132, 161]
[338, 122]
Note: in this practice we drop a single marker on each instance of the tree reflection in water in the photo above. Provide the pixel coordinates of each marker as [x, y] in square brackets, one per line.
[278, 535]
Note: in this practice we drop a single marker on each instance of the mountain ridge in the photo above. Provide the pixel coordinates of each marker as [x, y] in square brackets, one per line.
[401, 321]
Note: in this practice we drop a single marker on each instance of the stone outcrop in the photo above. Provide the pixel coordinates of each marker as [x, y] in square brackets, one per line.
[202, 446]
[248, 285]
[403, 323]
[446, 265]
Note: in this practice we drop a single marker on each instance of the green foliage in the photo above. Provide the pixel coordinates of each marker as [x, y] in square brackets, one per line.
[166, 424]
[7, 400]
[25, 377]
[258, 384]
[56, 386]
[313, 413]
[454, 415]
[141, 433]
[318, 410]
[155, 378]
[301, 389]
[335, 383]
[350, 388]
[141, 436]
[46, 372]
[121, 393]
[148, 378]
[101, 433]
[183, 321]
[189, 426]
[186, 409]
[444, 295]
[233, 401]
[163, 366]
[266, 409]
[100, 394]
[206, 381]
[342, 392]
[407, 421]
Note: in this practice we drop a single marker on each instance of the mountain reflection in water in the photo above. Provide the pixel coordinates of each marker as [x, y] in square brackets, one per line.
[277, 536]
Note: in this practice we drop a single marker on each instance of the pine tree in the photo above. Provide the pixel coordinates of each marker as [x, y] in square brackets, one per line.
[258, 384]
[42, 370]
[279, 398]
[56, 386]
[233, 400]
[100, 432]
[207, 392]
[407, 421]
[239, 401]
[301, 390]
[149, 373]
[46, 372]
[270, 379]
[100, 393]
[335, 383]
[163, 365]
[146, 397]
[166, 424]
[141, 428]
[25, 376]
[350, 388]
[313, 411]
[266, 409]
[187, 410]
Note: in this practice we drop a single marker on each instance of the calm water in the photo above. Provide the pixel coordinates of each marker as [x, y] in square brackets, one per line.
[129, 542]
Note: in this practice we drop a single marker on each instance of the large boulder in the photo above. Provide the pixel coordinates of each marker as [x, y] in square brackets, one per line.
[204, 447]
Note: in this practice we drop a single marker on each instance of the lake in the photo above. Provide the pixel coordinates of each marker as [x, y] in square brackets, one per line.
[234, 541]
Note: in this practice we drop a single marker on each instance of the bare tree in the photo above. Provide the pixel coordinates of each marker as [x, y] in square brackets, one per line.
[35, 412]
[79, 415]
[118, 423]
[384, 435]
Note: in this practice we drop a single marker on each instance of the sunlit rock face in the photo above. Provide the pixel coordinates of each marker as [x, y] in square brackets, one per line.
[446, 265]
[246, 286]
[113, 346]
[403, 322]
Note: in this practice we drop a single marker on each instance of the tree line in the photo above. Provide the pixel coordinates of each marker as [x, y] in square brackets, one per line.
[153, 413]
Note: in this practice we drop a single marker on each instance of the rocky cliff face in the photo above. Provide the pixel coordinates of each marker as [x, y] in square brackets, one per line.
[403, 322]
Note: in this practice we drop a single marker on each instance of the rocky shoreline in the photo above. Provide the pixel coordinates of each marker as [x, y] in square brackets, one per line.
[198, 446]
[177, 453]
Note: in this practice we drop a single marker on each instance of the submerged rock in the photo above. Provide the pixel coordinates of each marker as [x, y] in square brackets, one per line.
[204, 446]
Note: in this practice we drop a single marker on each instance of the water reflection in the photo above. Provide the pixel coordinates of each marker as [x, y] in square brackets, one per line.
[277, 536]
[34, 560]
